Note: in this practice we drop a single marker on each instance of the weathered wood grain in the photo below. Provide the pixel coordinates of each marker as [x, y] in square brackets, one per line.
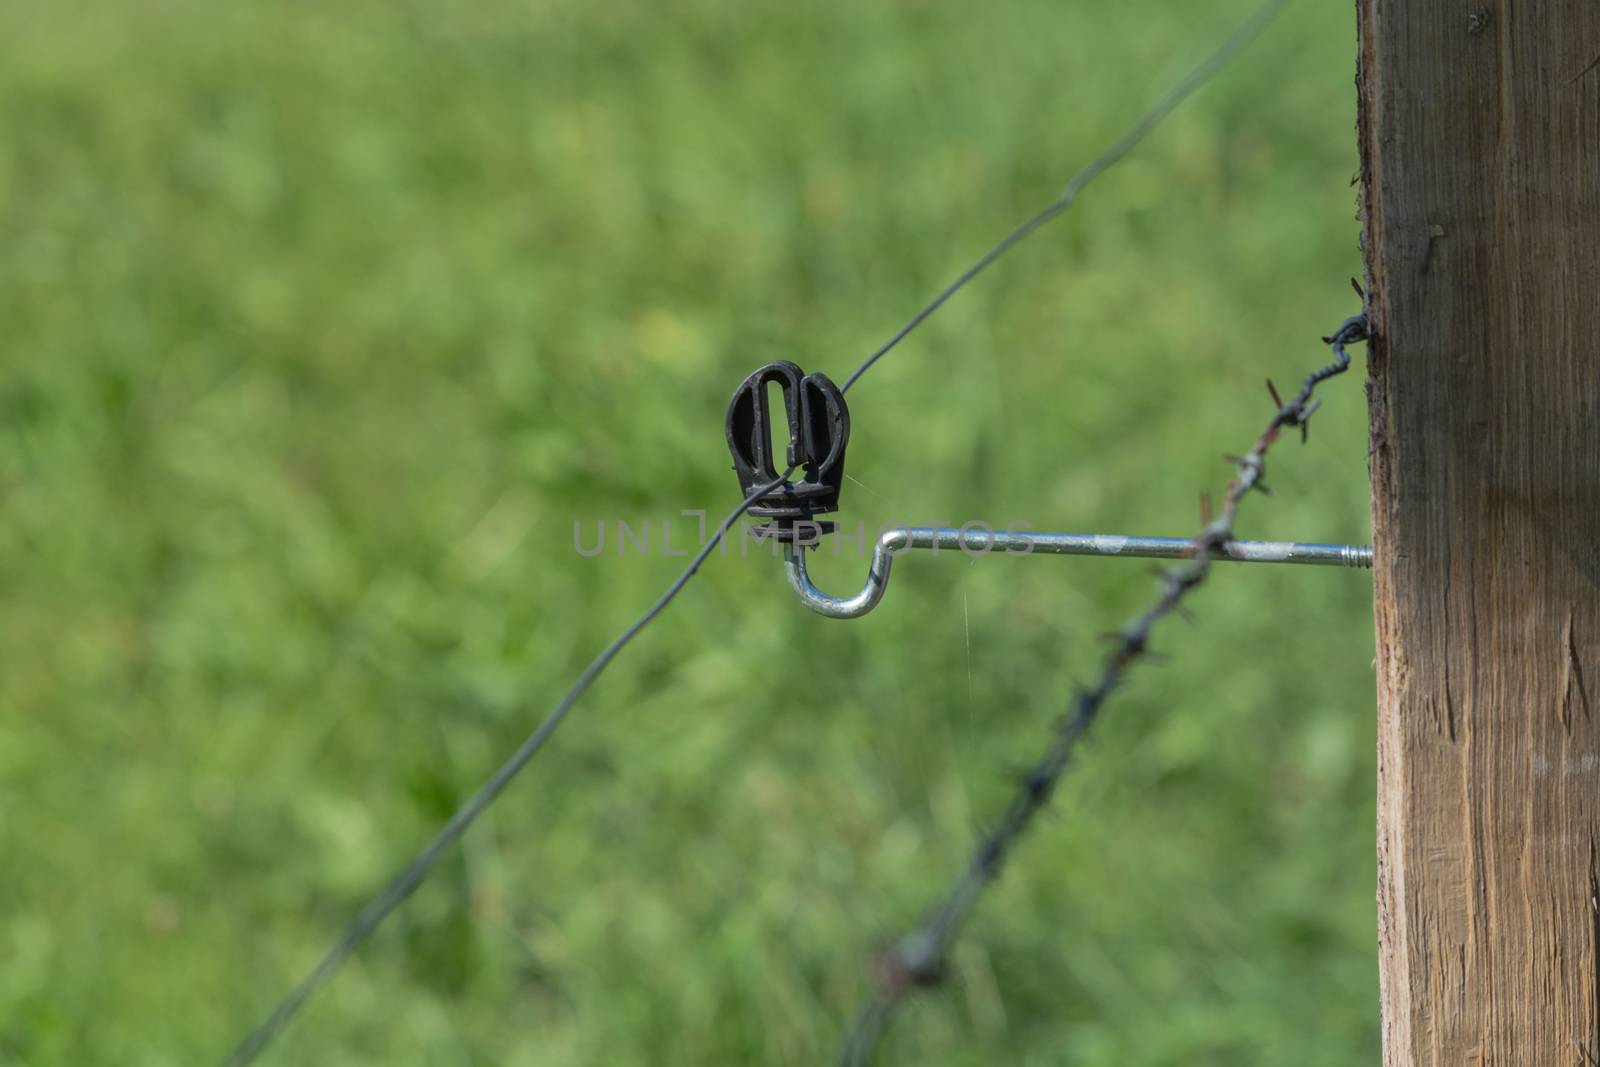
[1480, 142]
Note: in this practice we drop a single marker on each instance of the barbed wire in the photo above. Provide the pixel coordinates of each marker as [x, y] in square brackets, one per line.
[404, 883]
[917, 960]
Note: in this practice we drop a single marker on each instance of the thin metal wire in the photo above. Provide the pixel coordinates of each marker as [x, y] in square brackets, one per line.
[1174, 96]
[918, 959]
[404, 883]
[413, 874]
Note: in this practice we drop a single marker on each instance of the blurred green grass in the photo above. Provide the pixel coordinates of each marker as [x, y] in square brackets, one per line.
[324, 323]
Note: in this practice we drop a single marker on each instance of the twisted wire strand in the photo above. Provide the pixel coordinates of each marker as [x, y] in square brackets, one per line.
[918, 959]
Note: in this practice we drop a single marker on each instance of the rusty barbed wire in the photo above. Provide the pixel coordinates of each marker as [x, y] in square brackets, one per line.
[917, 960]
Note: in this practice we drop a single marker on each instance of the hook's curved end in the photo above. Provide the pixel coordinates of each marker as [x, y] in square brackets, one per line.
[851, 607]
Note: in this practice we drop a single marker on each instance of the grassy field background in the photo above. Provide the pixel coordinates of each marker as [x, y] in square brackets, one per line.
[323, 323]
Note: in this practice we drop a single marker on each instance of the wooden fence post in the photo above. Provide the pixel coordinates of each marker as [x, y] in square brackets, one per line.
[1480, 156]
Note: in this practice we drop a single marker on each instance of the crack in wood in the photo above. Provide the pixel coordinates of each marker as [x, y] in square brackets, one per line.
[1449, 703]
[1572, 670]
[1579, 76]
[1594, 945]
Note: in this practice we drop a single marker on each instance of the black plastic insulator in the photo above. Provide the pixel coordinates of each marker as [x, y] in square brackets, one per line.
[819, 429]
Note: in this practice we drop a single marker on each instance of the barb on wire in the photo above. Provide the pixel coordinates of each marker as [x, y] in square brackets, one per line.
[413, 874]
[918, 959]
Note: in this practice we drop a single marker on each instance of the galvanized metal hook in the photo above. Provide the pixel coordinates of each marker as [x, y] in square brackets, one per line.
[819, 429]
[1023, 543]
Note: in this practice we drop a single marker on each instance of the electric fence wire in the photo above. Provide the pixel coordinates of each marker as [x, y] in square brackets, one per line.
[415, 872]
[1180, 91]
[412, 875]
